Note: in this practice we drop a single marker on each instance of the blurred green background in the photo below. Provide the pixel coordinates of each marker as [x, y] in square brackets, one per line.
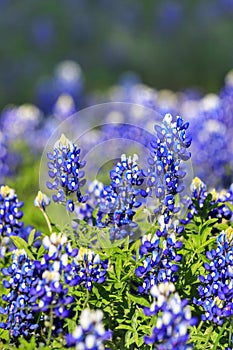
[170, 44]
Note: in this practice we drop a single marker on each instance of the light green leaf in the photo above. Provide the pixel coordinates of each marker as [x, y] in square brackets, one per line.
[20, 243]
[139, 300]
[31, 237]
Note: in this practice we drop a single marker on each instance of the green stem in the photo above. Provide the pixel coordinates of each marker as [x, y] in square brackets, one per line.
[208, 337]
[200, 325]
[51, 326]
[71, 229]
[230, 333]
[87, 299]
[219, 336]
[47, 220]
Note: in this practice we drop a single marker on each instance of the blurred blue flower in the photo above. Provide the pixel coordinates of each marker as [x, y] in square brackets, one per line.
[90, 333]
[174, 319]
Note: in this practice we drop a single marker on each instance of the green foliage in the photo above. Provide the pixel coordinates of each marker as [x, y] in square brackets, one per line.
[118, 296]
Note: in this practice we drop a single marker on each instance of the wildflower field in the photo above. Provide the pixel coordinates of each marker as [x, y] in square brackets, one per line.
[116, 175]
[116, 220]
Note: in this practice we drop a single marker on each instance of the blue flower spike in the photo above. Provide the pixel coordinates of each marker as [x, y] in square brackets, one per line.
[166, 164]
[66, 174]
[20, 303]
[119, 201]
[216, 286]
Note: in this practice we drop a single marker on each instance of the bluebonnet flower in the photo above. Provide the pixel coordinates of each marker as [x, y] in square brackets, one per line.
[216, 288]
[159, 260]
[217, 202]
[41, 200]
[165, 174]
[68, 76]
[174, 318]
[90, 333]
[50, 293]
[20, 304]
[85, 210]
[10, 223]
[66, 174]
[10, 213]
[4, 158]
[18, 122]
[64, 107]
[119, 200]
[211, 128]
[86, 269]
[67, 80]
[158, 252]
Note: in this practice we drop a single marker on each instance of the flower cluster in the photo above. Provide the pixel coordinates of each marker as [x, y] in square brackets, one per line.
[90, 333]
[159, 260]
[19, 121]
[216, 289]
[50, 293]
[66, 174]
[86, 268]
[118, 201]
[20, 303]
[216, 202]
[166, 172]
[173, 319]
[67, 81]
[10, 224]
[10, 214]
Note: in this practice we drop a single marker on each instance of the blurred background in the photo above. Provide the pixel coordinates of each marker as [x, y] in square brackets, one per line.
[171, 44]
[60, 56]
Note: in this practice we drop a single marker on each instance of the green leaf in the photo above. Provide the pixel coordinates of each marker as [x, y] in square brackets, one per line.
[31, 237]
[40, 251]
[117, 285]
[139, 300]
[20, 243]
[118, 267]
[4, 334]
[71, 325]
[201, 248]
[124, 326]
[208, 223]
